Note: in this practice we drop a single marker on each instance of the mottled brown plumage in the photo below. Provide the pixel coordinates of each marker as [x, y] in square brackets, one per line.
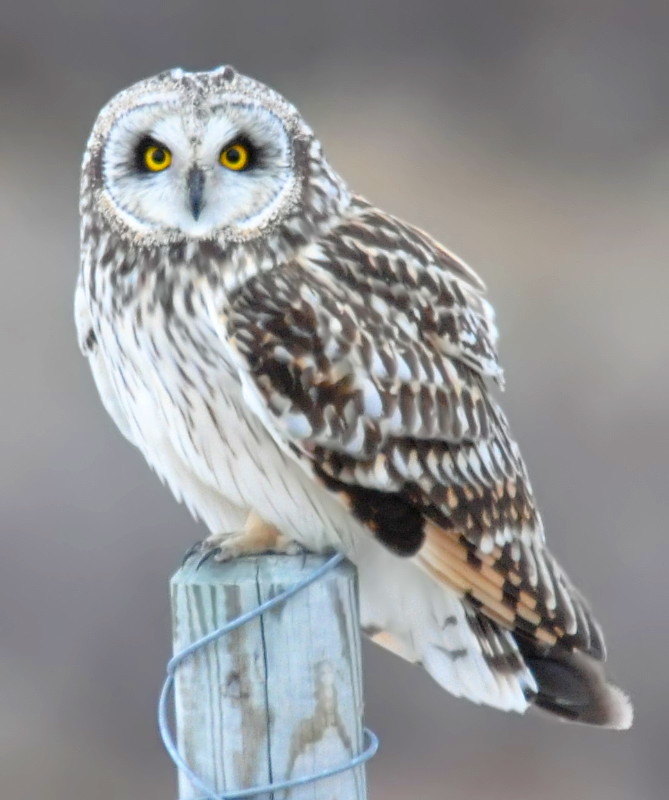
[375, 370]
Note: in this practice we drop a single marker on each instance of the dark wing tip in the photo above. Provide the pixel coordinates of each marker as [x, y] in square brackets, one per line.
[573, 685]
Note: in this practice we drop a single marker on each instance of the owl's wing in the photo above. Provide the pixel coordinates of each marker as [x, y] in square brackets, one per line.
[367, 358]
[89, 347]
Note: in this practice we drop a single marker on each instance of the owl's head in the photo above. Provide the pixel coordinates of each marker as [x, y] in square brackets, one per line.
[202, 155]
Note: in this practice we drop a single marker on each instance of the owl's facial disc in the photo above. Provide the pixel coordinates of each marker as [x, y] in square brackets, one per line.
[171, 169]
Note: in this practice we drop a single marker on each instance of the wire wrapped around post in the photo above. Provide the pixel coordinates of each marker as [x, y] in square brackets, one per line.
[271, 572]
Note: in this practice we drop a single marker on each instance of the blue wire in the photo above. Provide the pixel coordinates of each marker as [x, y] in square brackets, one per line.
[371, 739]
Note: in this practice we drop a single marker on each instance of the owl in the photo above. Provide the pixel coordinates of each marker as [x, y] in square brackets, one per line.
[305, 370]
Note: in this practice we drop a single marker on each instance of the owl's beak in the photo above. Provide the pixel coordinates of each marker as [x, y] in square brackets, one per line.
[195, 183]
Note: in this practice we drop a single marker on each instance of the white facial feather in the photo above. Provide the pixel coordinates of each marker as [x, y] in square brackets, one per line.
[195, 135]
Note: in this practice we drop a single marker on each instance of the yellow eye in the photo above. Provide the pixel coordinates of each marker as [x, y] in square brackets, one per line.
[157, 158]
[235, 157]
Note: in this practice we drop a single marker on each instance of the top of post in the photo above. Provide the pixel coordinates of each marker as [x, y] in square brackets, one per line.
[267, 568]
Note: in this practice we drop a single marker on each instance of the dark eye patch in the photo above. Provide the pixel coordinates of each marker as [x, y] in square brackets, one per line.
[255, 152]
[138, 160]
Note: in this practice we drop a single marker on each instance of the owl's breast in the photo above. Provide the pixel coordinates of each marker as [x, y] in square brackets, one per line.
[181, 397]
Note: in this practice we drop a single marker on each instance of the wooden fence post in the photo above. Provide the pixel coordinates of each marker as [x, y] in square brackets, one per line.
[280, 697]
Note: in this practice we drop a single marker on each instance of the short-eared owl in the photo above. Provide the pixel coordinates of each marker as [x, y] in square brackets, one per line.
[301, 367]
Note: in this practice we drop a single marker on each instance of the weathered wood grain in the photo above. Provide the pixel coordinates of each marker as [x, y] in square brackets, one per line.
[280, 697]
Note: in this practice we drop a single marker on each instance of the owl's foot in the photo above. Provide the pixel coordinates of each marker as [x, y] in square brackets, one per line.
[256, 537]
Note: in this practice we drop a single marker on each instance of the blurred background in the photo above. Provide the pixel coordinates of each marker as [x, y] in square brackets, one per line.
[532, 137]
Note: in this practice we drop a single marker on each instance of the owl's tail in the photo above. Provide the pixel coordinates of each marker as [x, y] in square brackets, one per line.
[568, 684]
[573, 685]
[404, 610]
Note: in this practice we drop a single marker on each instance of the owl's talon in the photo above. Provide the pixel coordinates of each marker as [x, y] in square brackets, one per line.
[258, 540]
[196, 547]
[214, 553]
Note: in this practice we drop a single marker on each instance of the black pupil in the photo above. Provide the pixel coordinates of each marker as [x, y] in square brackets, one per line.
[158, 156]
[234, 155]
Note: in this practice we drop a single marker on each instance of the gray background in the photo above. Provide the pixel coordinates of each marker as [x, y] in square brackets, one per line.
[529, 136]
